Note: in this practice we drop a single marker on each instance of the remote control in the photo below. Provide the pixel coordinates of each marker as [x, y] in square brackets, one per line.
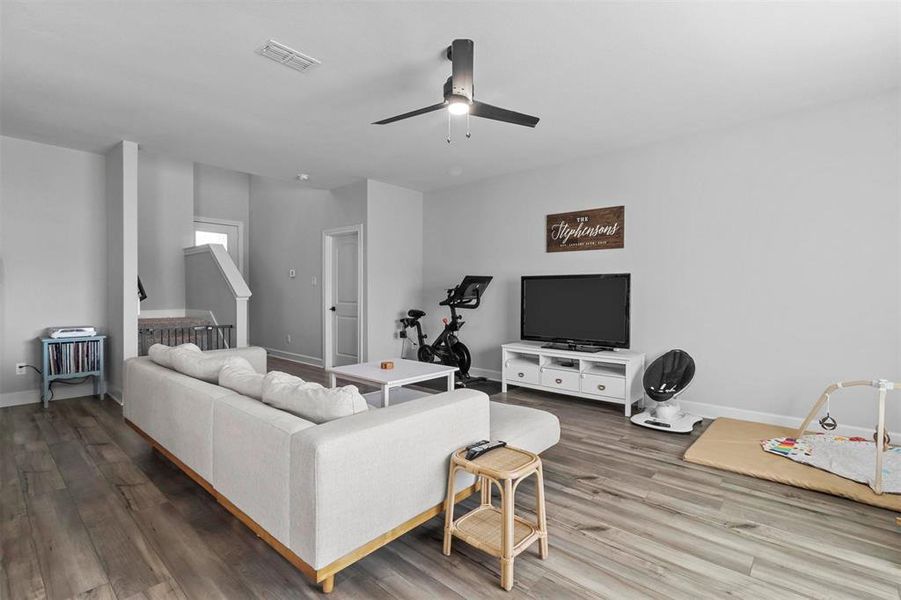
[476, 451]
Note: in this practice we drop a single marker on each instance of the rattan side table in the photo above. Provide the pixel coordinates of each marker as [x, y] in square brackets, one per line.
[497, 530]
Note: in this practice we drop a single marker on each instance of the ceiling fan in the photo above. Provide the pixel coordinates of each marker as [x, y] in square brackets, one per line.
[458, 94]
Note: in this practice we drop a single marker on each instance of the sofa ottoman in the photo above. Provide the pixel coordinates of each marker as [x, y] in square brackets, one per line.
[523, 427]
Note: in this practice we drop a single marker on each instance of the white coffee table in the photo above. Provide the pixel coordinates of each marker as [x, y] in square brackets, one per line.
[404, 372]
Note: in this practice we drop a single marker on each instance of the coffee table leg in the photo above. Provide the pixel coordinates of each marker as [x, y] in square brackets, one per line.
[332, 380]
[385, 395]
[450, 382]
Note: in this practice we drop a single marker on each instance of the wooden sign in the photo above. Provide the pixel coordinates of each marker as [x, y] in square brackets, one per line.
[594, 229]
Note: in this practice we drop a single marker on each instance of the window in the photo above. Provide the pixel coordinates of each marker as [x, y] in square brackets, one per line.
[210, 237]
[228, 234]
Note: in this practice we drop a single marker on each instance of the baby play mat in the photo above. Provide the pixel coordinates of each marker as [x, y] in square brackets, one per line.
[734, 445]
[851, 457]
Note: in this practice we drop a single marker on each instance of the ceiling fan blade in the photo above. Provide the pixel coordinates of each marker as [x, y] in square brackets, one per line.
[461, 52]
[412, 113]
[495, 113]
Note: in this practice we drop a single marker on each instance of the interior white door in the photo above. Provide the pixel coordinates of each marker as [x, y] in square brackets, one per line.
[227, 235]
[345, 309]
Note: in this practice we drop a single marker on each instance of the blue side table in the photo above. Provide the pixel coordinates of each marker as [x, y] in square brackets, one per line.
[72, 358]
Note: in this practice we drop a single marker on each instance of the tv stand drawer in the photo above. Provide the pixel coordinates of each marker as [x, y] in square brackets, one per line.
[522, 370]
[602, 385]
[564, 379]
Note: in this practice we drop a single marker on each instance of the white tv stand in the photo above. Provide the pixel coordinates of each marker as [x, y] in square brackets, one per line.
[607, 376]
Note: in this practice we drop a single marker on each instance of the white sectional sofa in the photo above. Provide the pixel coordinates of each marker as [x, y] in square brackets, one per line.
[322, 495]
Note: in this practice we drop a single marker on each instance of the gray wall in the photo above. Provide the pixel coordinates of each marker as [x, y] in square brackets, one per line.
[770, 252]
[221, 194]
[394, 264]
[207, 290]
[286, 223]
[165, 228]
[52, 253]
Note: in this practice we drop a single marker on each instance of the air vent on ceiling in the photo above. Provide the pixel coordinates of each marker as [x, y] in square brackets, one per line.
[288, 56]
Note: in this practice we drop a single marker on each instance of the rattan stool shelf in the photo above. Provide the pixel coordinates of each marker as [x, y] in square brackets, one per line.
[497, 530]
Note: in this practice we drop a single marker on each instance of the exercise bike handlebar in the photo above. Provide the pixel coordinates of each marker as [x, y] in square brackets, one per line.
[468, 303]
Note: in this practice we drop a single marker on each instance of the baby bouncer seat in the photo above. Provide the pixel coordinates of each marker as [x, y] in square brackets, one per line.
[664, 380]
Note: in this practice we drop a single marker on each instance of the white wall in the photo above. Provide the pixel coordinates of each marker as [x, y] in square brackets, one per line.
[394, 264]
[165, 228]
[52, 255]
[122, 261]
[769, 251]
[286, 223]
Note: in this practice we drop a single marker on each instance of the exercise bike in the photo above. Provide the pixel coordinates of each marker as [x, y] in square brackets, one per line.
[447, 348]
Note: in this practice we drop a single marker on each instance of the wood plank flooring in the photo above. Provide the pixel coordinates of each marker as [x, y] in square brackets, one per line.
[88, 511]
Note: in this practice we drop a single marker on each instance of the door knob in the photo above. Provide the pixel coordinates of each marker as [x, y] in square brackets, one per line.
[333, 309]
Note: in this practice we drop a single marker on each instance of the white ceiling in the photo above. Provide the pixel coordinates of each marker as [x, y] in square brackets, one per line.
[182, 78]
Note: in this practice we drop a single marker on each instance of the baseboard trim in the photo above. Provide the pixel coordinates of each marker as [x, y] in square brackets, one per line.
[33, 396]
[303, 359]
[115, 394]
[19, 398]
[713, 411]
[489, 374]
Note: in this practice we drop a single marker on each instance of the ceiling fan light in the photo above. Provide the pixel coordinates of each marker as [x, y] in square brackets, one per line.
[458, 108]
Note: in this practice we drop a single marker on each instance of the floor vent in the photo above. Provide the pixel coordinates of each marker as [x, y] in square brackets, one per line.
[287, 56]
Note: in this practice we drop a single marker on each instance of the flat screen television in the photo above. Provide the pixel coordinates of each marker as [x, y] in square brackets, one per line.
[576, 312]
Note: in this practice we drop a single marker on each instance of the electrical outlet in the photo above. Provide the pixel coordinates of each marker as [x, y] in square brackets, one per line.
[292, 273]
[288, 339]
[314, 280]
[20, 369]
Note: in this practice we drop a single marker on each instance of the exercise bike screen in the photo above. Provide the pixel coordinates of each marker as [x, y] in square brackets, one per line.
[589, 309]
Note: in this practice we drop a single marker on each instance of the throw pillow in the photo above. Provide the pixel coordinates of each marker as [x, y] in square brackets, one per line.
[200, 365]
[238, 375]
[162, 355]
[311, 401]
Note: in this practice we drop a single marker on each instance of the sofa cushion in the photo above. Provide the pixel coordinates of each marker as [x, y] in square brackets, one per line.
[311, 401]
[238, 375]
[162, 355]
[523, 427]
[281, 376]
[255, 355]
[201, 365]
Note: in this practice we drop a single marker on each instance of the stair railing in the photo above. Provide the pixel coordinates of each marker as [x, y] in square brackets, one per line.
[207, 337]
